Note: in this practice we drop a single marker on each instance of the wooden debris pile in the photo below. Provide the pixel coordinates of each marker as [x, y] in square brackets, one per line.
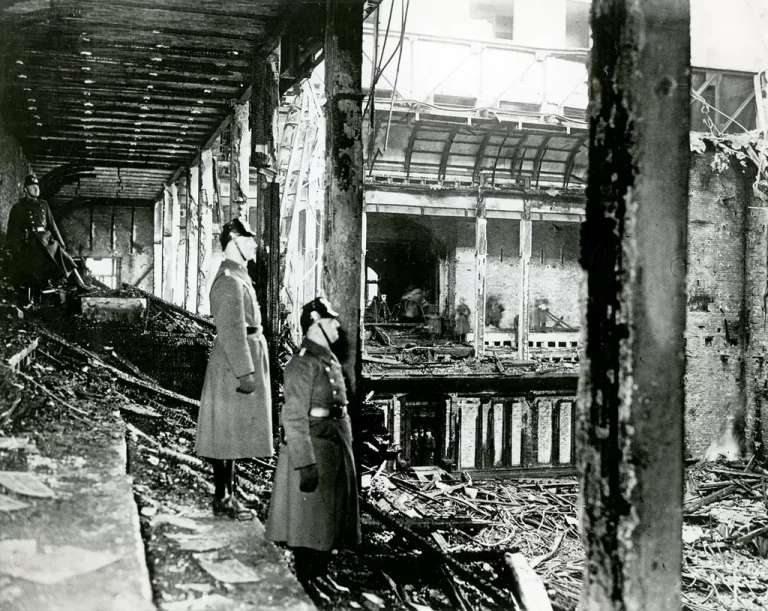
[725, 536]
[477, 522]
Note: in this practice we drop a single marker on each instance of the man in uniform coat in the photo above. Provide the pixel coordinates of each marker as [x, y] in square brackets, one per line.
[37, 249]
[235, 418]
[314, 506]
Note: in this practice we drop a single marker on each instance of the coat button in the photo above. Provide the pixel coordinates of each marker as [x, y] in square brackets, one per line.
[334, 392]
[332, 380]
[327, 368]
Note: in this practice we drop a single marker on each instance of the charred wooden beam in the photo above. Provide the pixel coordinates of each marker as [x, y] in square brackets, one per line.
[193, 194]
[526, 239]
[569, 163]
[342, 266]
[205, 231]
[479, 156]
[409, 148]
[539, 159]
[446, 152]
[481, 266]
[239, 162]
[631, 391]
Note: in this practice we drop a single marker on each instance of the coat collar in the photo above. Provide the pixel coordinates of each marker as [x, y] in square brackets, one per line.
[318, 351]
[235, 269]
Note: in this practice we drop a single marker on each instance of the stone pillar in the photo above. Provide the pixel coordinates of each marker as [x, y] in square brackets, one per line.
[633, 248]
[193, 192]
[239, 163]
[481, 266]
[526, 234]
[157, 282]
[179, 294]
[205, 231]
[344, 170]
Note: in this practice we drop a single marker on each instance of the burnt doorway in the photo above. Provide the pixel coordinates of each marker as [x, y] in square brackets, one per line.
[423, 438]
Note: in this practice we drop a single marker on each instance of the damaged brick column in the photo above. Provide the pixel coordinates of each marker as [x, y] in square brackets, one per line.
[526, 239]
[205, 231]
[633, 250]
[239, 162]
[342, 260]
[481, 268]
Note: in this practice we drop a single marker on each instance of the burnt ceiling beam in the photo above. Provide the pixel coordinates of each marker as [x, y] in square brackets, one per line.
[479, 156]
[79, 202]
[446, 153]
[571, 160]
[138, 161]
[517, 157]
[249, 11]
[410, 146]
[539, 159]
[507, 134]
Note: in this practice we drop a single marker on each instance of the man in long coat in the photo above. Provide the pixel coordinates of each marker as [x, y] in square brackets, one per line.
[314, 506]
[38, 253]
[235, 418]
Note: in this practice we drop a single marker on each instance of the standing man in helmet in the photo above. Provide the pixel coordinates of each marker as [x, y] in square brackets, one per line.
[235, 418]
[38, 253]
[314, 506]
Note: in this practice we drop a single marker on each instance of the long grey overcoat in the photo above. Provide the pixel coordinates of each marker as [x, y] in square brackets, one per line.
[329, 516]
[231, 424]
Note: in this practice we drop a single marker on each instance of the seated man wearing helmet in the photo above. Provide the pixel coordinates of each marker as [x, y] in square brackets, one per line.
[38, 253]
[314, 504]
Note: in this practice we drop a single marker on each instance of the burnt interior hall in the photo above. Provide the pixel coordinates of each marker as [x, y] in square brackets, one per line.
[541, 225]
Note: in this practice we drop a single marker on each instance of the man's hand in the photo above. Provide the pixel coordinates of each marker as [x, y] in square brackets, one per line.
[247, 384]
[309, 478]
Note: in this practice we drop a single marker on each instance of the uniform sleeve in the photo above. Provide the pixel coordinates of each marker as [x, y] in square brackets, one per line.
[229, 313]
[52, 226]
[299, 381]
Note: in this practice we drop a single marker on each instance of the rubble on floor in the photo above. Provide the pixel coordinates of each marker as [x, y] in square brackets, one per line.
[411, 349]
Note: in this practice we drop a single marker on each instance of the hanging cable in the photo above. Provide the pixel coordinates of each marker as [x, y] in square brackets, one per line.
[376, 70]
[397, 71]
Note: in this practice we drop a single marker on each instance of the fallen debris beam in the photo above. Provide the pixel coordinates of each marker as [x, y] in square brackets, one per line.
[179, 310]
[168, 394]
[466, 574]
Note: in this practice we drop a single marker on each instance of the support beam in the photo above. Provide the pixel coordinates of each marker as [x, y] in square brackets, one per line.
[170, 242]
[634, 251]
[526, 247]
[239, 162]
[205, 231]
[193, 193]
[157, 259]
[481, 268]
[179, 294]
[342, 265]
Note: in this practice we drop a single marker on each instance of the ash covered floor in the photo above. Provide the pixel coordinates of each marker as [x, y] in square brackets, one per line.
[431, 539]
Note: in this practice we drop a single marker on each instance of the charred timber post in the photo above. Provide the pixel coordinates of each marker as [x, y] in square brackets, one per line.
[265, 102]
[205, 231]
[193, 190]
[526, 246]
[169, 248]
[173, 276]
[342, 261]
[481, 267]
[239, 162]
[157, 262]
[633, 248]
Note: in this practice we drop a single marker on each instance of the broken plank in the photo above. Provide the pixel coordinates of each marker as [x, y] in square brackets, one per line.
[527, 586]
[18, 359]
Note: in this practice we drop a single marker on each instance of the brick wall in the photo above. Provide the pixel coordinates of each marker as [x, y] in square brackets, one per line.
[134, 265]
[13, 168]
[725, 327]
[555, 270]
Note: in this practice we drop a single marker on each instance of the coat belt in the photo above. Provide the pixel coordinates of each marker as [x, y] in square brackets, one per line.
[252, 330]
[325, 412]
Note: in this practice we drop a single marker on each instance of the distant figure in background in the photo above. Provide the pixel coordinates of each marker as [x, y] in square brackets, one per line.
[314, 505]
[235, 418]
[462, 320]
[412, 309]
[494, 311]
[38, 253]
[429, 449]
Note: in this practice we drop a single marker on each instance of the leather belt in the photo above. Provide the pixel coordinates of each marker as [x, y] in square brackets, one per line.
[325, 412]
